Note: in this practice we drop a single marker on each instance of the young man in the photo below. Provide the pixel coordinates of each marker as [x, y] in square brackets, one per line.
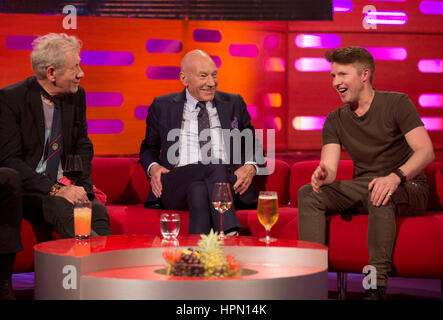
[43, 120]
[389, 147]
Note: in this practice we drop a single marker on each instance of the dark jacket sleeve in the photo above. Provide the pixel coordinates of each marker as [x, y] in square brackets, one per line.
[151, 145]
[255, 152]
[82, 144]
[11, 141]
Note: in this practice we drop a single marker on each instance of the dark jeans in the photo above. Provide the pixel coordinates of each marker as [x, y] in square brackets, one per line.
[47, 213]
[190, 188]
[342, 196]
[10, 211]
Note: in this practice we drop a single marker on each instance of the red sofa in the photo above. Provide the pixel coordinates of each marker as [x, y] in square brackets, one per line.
[418, 250]
[126, 187]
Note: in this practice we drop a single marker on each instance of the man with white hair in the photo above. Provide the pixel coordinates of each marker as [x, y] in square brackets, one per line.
[43, 120]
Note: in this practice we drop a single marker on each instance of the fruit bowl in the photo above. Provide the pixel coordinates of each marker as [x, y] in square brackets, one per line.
[207, 261]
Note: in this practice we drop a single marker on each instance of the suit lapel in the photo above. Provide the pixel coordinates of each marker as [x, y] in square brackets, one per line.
[224, 111]
[36, 106]
[67, 109]
[177, 107]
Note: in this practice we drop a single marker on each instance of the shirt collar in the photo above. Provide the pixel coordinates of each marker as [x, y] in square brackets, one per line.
[190, 100]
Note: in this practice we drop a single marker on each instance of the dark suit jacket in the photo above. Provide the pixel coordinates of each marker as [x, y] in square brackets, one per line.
[22, 133]
[166, 113]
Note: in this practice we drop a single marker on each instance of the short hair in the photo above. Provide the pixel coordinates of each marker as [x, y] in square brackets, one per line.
[350, 55]
[49, 50]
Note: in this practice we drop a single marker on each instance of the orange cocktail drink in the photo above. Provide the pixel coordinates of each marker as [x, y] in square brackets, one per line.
[82, 220]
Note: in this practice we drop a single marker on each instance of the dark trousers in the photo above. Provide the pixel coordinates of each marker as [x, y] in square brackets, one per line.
[47, 213]
[190, 188]
[10, 211]
[349, 196]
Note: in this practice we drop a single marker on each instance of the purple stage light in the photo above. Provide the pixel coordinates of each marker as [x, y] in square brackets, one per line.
[141, 112]
[430, 65]
[107, 58]
[163, 73]
[243, 50]
[163, 46]
[431, 7]
[317, 41]
[388, 53]
[342, 5]
[308, 123]
[433, 123]
[431, 100]
[20, 42]
[312, 65]
[104, 99]
[105, 126]
[386, 17]
[206, 35]
[217, 60]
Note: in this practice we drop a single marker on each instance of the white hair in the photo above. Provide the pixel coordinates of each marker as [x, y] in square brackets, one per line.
[50, 50]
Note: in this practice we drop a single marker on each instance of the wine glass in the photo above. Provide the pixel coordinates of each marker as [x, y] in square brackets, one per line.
[222, 201]
[73, 167]
[267, 212]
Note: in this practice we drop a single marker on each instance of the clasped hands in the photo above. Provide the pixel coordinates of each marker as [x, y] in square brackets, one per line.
[244, 178]
[72, 193]
[382, 188]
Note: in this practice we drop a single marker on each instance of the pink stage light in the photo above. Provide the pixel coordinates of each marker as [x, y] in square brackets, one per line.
[308, 123]
[433, 123]
[430, 65]
[388, 53]
[275, 64]
[271, 42]
[386, 17]
[253, 111]
[272, 100]
[312, 65]
[317, 41]
[243, 50]
[431, 100]
[431, 7]
[342, 5]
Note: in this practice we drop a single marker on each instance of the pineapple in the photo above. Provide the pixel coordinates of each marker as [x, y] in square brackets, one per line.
[212, 255]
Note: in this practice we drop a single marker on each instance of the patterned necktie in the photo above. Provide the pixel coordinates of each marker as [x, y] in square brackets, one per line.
[54, 144]
[203, 123]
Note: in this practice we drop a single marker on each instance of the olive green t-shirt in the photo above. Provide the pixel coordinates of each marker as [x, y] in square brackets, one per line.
[376, 140]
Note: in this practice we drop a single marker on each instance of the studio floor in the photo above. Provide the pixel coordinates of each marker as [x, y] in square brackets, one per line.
[398, 288]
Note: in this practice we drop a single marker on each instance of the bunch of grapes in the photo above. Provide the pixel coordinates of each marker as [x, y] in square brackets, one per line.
[188, 265]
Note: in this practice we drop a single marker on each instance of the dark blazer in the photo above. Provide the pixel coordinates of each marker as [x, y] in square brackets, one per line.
[22, 133]
[166, 113]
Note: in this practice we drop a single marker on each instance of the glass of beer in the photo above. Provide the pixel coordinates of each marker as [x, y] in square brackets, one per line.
[267, 212]
[222, 201]
[82, 219]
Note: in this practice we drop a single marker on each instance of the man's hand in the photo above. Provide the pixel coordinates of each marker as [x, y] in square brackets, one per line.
[156, 172]
[72, 193]
[318, 177]
[382, 189]
[244, 178]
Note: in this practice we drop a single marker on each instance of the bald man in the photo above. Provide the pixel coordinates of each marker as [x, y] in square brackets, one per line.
[189, 147]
